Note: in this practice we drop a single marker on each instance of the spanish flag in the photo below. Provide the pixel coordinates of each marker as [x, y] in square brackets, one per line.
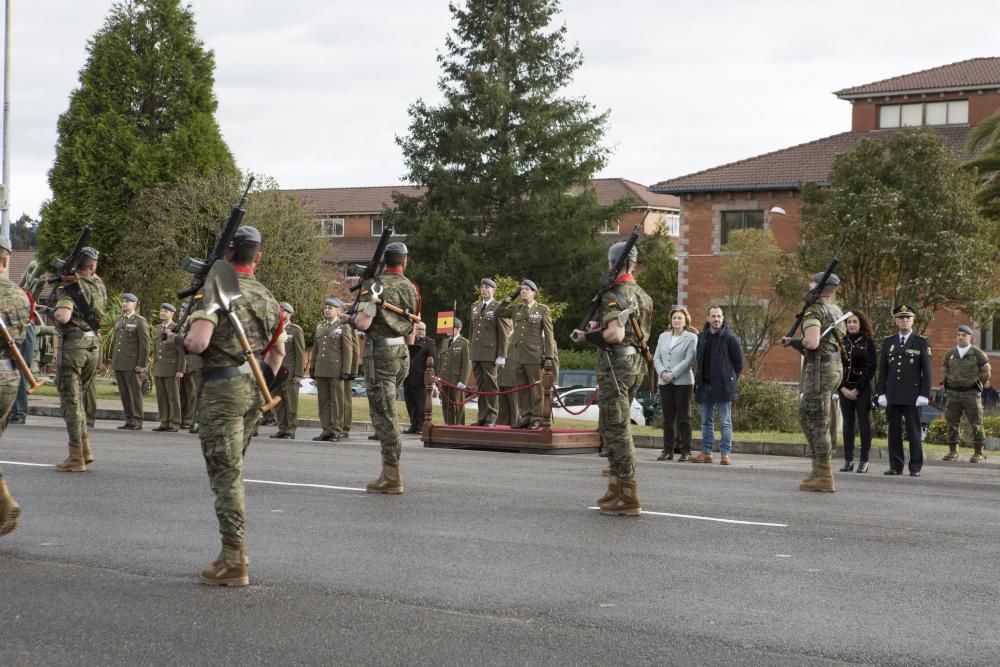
[446, 322]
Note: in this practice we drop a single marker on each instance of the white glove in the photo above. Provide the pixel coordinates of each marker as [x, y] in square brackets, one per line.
[501, 361]
[882, 400]
[922, 401]
[460, 385]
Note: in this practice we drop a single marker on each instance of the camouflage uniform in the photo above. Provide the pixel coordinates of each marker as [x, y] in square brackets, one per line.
[90, 391]
[821, 375]
[80, 352]
[229, 407]
[15, 313]
[962, 382]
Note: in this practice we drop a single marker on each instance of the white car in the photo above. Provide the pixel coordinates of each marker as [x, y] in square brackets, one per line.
[307, 386]
[576, 399]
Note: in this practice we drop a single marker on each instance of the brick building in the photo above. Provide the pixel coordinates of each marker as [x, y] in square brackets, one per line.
[740, 195]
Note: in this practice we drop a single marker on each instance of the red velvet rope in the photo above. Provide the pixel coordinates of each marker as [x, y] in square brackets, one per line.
[441, 384]
[590, 401]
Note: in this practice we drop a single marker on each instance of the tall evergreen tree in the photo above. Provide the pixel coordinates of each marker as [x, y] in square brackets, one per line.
[142, 115]
[506, 160]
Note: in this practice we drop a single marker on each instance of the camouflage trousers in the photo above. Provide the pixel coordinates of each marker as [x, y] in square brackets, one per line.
[970, 404]
[818, 382]
[385, 370]
[617, 382]
[9, 382]
[77, 366]
[228, 411]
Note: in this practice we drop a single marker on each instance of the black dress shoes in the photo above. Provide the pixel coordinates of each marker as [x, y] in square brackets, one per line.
[170, 429]
[322, 437]
[373, 437]
[684, 458]
[914, 473]
[133, 428]
[893, 472]
[848, 466]
[411, 430]
[159, 429]
[665, 457]
[524, 423]
[863, 466]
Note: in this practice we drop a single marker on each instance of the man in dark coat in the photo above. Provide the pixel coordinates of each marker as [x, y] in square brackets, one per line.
[413, 387]
[719, 363]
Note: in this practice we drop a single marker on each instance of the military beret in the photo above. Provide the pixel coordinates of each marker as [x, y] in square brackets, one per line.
[168, 306]
[834, 279]
[287, 307]
[902, 310]
[964, 328]
[488, 283]
[458, 323]
[396, 248]
[5, 244]
[246, 234]
[128, 296]
[90, 252]
[332, 301]
[530, 284]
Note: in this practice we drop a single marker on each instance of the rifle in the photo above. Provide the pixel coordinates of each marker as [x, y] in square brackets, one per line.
[646, 352]
[15, 353]
[813, 295]
[66, 280]
[609, 279]
[371, 269]
[198, 268]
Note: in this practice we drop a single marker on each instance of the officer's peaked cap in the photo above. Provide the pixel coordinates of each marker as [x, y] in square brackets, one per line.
[902, 310]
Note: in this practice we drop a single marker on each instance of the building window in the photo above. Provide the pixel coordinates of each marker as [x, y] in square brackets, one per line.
[734, 221]
[377, 226]
[672, 224]
[609, 227]
[989, 335]
[955, 112]
[330, 227]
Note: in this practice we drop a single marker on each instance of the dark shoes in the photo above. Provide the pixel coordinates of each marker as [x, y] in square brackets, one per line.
[893, 472]
[863, 466]
[665, 457]
[326, 437]
[524, 423]
[412, 430]
[284, 436]
[132, 428]
[16, 420]
[848, 466]
[684, 458]
[373, 437]
[159, 429]
[914, 473]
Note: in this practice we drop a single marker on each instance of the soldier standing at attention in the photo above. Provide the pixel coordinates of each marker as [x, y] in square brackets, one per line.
[387, 357]
[230, 402]
[455, 367]
[904, 385]
[531, 343]
[16, 315]
[332, 357]
[189, 390]
[287, 411]
[821, 375]
[342, 395]
[79, 354]
[966, 373]
[620, 371]
[488, 343]
[168, 370]
[130, 345]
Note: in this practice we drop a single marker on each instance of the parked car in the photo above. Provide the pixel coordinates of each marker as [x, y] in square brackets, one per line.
[576, 399]
[307, 386]
[357, 387]
[577, 378]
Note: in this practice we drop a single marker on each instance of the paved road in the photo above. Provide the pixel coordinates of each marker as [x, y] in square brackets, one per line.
[490, 558]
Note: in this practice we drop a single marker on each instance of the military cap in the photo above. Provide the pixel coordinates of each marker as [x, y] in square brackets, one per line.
[396, 248]
[458, 323]
[168, 306]
[964, 328]
[834, 279]
[488, 283]
[287, 307]
[128, 296]
[333, 301]
[90, 252]
[5, 244]
[530, 284]
[902, 310]
[615, 252]
[246, 234]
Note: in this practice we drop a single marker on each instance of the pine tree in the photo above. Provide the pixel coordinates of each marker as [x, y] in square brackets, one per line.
[142, 115]
[506, 160]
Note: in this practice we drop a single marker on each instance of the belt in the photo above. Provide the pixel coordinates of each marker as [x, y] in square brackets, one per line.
[970, 388]
[73, 335]
[223, 372]
[624, 351]
[7, 365]
[387, 342]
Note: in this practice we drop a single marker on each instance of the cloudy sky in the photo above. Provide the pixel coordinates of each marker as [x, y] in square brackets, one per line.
[313, 92]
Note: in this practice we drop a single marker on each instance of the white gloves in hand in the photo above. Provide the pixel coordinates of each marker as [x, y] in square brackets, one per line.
[501, 361]
[882, 400]
[460, 385]
[922, 401]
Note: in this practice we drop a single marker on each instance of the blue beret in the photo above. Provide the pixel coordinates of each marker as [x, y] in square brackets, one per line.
[287, 307]
[533, 286]
[332, 301]
[458, 323]
[168, 306]
[488, 283]
[963, 328]
[128, 296]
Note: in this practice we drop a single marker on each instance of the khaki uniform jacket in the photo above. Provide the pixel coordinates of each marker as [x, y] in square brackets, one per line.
[295, 350]
[335, 350]
[167, 361]
[488, 337]
[454, 359]
[130, 343]
[532, 338]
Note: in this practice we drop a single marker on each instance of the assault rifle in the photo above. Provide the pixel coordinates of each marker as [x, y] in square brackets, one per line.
[65, 281]
[198, 268]
[609, 279]
[813, 295]
[370, 270]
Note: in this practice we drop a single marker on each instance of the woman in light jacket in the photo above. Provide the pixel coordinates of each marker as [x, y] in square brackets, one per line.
[674, 362]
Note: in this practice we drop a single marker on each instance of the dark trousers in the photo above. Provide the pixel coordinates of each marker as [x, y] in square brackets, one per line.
[675, 400]
[857, 415]
[27, 351]
[896, 415]
[415, 396]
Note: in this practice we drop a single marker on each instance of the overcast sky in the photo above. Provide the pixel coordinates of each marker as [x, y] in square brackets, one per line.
[313, 92]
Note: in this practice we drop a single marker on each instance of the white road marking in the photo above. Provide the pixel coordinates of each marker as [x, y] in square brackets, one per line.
[312, 486]
[22, 463]
[711, 518]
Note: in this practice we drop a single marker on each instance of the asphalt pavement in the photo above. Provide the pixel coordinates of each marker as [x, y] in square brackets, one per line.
[489, 558]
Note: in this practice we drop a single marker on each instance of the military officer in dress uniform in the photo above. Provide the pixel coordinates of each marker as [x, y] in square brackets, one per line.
[966, 371]
[189, 389]
[130, 345]
[168, 369]
[334, 355]
[295, 358]
[344, 397]
[455, 368]
[904, 385]
[488, 342]
[530, 344]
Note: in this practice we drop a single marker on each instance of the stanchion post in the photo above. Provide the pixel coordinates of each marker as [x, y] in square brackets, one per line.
[428, 397]
[547, 381]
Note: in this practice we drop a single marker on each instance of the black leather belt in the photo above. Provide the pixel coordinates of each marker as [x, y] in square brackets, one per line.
[223, 372]
[387, 342]
[624, 351]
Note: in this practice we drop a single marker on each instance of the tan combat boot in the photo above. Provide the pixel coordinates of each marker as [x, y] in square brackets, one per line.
[74, 462]
[244, 557]
[390, 481]
[810, 477]
[88, 456]
[231, 569]
[821, 480]
[626, 503]
[9, 509]
[952, 454]
[978, 456]
[614, 489]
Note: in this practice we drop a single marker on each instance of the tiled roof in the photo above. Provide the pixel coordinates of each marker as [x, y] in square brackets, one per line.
[789, 167]
[356, 250]
[19, 260]
[610, 190]
[974, 73]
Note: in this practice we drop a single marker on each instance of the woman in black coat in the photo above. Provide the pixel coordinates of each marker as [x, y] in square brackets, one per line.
[856, 389]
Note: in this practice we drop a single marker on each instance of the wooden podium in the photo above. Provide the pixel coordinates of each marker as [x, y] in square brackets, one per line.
[544, 440]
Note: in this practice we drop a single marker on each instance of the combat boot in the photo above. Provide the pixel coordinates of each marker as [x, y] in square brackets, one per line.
[9, 509]
[390, 481]
[821, 480]
[810, 477]
[88, 456]
[244, 557]
[978, 456]
[952, 454]
[626, 503]
[614, 489]
[231, 569]
[74, 462]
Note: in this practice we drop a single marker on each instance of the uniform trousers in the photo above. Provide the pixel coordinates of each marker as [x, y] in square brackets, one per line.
[130, 391]
[168, 401]
[896, 416]
[326, 395]
[485, 373]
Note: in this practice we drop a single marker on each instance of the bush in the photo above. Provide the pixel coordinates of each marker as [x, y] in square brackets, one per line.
[583, 359]
[765, 405]
[937, 431]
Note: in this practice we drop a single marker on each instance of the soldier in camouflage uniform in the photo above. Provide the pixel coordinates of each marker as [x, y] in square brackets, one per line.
[230, 402]
[79, 355]
[387, 357]
[966, 372]
[16, 315]
[821, 374]
[90, 391]
[620, 372]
